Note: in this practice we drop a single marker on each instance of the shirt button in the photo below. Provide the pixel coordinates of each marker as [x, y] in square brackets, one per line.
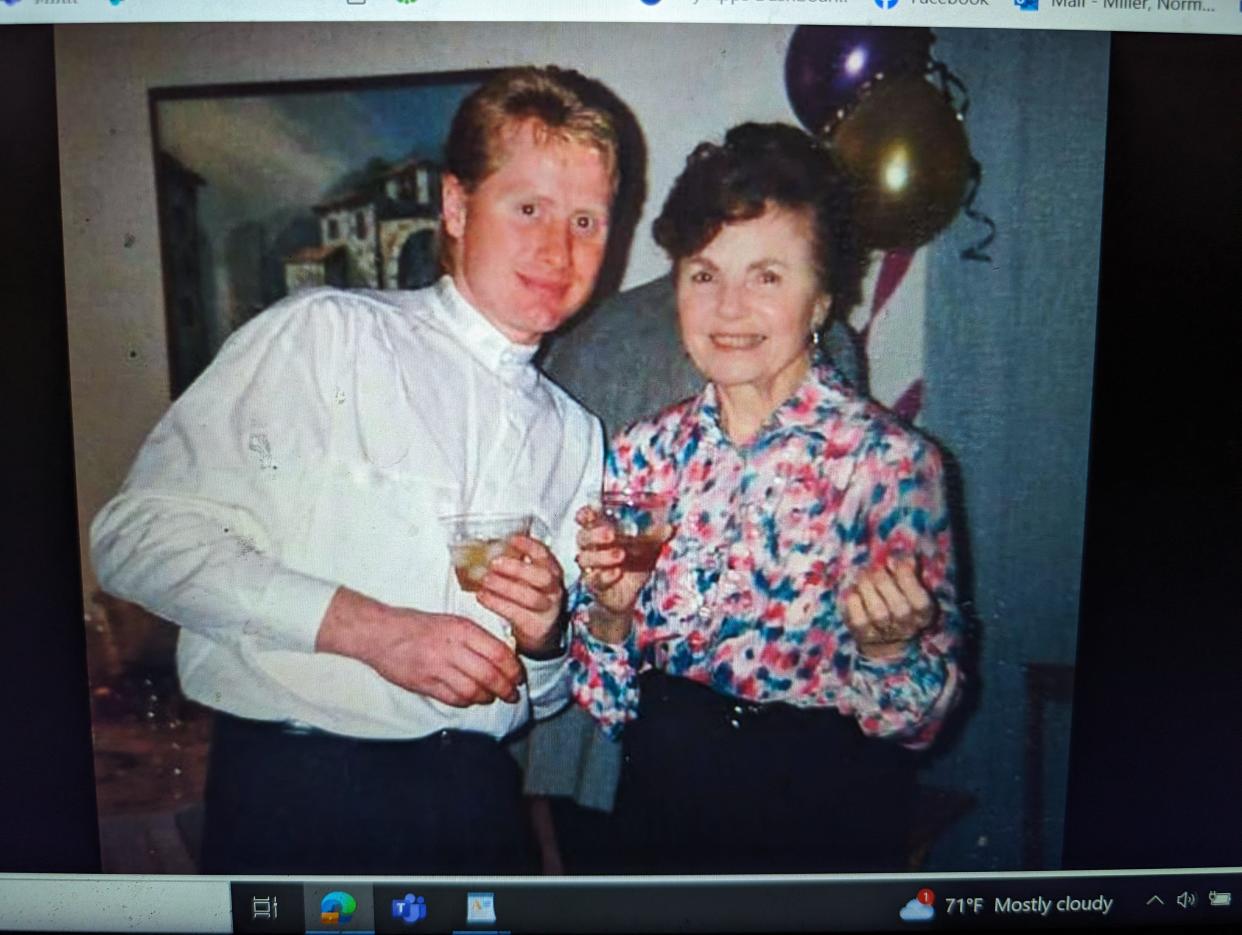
[704, 612]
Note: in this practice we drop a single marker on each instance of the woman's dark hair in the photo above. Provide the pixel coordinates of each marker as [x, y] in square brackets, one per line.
[764, 165]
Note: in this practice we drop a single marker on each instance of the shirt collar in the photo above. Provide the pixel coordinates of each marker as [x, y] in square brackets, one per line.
[480, 337]
[823, 392]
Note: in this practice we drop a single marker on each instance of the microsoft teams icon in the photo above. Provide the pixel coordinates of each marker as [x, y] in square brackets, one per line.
[409, 909]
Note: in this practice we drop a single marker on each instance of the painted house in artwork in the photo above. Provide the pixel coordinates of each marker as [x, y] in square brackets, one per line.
[317, 266]
[379, 233]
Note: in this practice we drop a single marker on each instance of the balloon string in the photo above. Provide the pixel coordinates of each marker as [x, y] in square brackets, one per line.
[949, 83]
[975, 252]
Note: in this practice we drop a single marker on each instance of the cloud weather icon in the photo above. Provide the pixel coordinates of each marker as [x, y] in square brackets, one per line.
[915, 911]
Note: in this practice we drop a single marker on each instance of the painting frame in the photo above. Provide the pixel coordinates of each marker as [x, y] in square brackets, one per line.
[374, 225]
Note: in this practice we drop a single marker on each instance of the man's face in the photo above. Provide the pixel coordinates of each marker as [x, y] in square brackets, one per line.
[529, 240]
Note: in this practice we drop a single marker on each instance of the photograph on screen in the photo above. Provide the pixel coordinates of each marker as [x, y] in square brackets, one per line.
[830, 293]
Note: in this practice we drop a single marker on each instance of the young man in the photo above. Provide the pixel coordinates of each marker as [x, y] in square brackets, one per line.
[284, 514]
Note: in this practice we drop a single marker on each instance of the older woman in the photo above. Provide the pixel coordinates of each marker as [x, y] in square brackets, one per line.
[798, 636]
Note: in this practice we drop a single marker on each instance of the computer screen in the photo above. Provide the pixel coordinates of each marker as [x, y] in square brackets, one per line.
[630, 467]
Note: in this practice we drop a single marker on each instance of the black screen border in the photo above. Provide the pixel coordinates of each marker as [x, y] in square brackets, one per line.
[1154, 775]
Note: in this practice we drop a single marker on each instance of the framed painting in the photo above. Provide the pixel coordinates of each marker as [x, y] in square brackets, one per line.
[266, 189]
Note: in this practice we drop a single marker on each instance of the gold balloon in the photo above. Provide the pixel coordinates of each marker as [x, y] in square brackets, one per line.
[906, 150]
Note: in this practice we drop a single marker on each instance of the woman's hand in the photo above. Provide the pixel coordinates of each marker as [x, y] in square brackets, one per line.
[601, 561]
[887, 607]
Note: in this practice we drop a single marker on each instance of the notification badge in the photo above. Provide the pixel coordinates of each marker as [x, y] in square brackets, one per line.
[920, 909]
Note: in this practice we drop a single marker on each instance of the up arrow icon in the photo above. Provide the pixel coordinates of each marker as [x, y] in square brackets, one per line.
[1157, 900]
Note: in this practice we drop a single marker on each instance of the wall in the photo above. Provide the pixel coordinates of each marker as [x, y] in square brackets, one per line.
[1010, 353]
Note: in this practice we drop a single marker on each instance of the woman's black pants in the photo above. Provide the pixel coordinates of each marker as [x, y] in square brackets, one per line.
[711, 784]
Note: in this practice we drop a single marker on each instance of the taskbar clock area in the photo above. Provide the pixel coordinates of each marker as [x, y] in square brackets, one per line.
[983, 902]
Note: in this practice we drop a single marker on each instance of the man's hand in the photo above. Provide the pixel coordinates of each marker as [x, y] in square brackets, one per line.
[446, 657]
[527, 587]
[887, 607]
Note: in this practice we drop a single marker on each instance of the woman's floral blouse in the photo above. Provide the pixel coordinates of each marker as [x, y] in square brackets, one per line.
[745, 597]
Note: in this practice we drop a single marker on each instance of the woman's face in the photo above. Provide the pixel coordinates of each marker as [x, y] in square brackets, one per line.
[748, 300]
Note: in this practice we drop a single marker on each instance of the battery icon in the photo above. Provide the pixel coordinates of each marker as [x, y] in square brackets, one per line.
[1220, 899]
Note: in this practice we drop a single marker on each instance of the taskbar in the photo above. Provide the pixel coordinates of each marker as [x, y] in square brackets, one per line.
[741, 904]
[548, 905]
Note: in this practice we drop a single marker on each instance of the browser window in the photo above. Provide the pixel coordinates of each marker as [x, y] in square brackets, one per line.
[667, 465]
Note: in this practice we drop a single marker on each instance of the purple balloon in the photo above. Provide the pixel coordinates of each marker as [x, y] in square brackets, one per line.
[826, 66]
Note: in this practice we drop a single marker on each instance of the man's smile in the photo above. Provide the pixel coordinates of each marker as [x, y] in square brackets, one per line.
[553, 288]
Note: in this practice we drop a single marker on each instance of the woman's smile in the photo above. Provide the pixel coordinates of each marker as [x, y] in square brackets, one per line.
[738, 342]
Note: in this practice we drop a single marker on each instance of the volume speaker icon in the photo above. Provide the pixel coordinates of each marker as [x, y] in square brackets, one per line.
[1188, 900]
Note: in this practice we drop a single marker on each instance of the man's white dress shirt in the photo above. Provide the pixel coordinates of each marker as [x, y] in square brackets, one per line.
[317, 450]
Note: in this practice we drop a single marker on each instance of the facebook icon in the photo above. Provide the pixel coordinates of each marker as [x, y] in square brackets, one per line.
[409, 909]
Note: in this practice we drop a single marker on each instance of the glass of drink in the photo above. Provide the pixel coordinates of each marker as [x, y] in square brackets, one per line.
[639, 518]
[475, 539]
